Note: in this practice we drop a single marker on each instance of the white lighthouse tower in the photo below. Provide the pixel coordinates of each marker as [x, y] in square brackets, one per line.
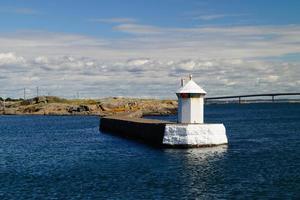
[191, 131]
[190, 102]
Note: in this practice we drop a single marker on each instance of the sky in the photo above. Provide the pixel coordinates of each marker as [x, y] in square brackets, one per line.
[131, 48]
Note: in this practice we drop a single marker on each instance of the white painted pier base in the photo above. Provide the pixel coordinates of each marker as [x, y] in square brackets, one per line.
[197, 135]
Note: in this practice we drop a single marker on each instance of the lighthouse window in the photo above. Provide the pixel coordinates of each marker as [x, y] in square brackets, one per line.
[189, 95]
[184, 95]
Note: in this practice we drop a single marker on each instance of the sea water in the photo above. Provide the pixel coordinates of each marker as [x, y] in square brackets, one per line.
[66, 157]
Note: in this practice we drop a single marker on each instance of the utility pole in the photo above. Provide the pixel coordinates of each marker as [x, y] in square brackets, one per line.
[24, 93]
[37, 91]
[4, 105]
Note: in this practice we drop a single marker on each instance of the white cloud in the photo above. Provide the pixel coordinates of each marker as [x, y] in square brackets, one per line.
[210, 17]
[186, 65]
[114, 20]
[19, 10]
[138, 29]
[224, 60]
[10, 59]
[41, 60]
[138, 62]
[272, 78]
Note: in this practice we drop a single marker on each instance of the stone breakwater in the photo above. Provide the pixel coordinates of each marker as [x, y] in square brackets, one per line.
[164, 133]
[51, 105]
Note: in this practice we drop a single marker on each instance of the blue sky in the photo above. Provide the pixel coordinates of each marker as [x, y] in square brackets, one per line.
[144, 47]
[77, 16]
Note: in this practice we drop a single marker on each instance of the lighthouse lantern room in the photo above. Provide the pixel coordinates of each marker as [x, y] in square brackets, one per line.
[190, 102]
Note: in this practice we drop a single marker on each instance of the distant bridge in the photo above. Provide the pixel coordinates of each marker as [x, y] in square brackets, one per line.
[239, 97]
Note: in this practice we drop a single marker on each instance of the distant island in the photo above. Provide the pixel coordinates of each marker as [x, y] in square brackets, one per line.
[131, 107]
[52, 105]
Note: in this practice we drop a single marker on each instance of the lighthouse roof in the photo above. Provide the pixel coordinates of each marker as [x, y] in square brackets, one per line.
[191, 87]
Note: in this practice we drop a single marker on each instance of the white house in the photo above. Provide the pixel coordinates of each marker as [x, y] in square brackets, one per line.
[190, 102]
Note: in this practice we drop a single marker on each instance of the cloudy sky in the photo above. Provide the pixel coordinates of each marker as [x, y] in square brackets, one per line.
[142, 48]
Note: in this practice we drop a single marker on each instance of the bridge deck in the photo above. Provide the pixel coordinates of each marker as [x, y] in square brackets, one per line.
[255, 95]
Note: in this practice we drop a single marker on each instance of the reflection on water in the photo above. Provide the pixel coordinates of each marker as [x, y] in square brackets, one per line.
[199, 171]
[196, 156]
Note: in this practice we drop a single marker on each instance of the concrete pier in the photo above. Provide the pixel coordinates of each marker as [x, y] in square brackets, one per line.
[164, 133]
[145, 130]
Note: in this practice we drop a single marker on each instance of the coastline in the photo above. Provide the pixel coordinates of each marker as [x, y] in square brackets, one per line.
[129, 107]
[50, 105]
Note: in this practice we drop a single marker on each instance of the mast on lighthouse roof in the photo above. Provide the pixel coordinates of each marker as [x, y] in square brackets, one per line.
[190, 102]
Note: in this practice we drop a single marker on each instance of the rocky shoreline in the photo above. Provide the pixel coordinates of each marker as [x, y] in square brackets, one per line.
[127, 107]
[51, 105]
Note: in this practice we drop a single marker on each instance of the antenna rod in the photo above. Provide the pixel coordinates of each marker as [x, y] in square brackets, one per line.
[4, 105]
[182, 82]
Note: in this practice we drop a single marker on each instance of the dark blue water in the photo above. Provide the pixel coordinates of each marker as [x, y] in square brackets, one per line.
[52, 157]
